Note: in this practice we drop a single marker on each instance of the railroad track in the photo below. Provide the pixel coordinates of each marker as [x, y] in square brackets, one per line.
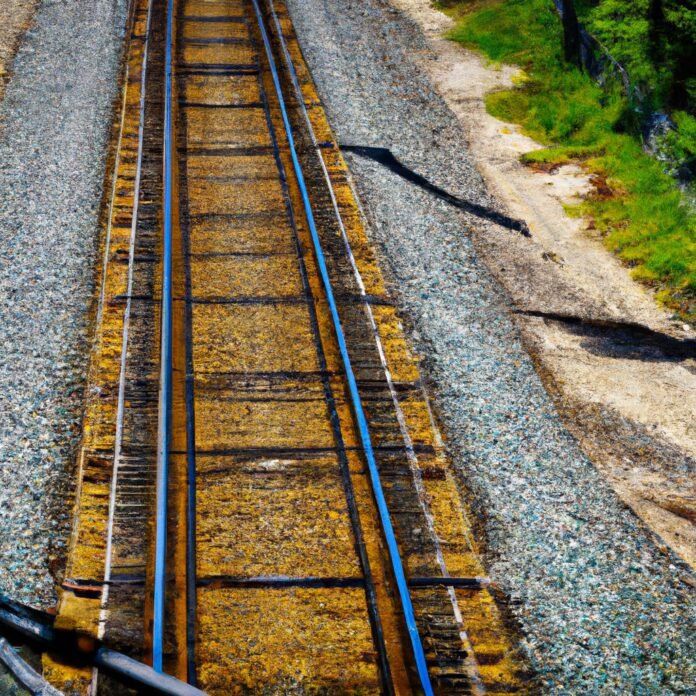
[264, 503]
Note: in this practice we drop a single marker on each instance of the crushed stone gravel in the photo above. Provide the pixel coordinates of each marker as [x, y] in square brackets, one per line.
[56, 119]
[603, 609]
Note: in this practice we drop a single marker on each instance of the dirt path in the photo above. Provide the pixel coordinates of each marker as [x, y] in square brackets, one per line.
[627, 395]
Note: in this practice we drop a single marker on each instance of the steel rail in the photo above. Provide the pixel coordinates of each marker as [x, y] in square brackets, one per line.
[180, 128]
[473, 667]
[401, 418]
[339, 448]
[121, 399]
[23, 673]
[378, 492]
[36, 627]
[165, 386]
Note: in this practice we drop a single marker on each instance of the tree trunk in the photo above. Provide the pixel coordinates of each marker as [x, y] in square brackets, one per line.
[656, 19]
[571, 34]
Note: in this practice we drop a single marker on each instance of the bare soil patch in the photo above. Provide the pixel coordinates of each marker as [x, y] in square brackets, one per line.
[15, 17]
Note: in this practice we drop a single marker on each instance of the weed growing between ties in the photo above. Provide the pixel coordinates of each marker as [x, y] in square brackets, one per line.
[637, 208]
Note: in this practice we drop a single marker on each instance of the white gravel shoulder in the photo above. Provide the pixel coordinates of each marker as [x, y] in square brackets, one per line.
[56, 120]
[602, 608]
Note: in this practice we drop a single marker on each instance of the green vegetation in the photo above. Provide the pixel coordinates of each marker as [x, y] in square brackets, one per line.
[682, 142]
[638, 208]
[655, 40]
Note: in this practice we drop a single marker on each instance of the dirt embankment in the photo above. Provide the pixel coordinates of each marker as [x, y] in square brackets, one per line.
[621, 370]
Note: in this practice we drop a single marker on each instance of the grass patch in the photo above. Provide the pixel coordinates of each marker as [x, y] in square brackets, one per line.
[638, 210]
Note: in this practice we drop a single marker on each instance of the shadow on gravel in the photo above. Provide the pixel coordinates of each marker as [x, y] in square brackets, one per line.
[386, 158]
[615, 339]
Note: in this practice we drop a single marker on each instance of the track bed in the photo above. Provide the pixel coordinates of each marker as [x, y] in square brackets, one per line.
[296, 419]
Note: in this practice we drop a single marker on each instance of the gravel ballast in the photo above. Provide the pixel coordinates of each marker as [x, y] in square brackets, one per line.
[603, 607]
[56, 120]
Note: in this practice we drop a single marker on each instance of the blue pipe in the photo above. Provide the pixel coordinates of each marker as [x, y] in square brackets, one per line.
[165, 391]
[397, 566]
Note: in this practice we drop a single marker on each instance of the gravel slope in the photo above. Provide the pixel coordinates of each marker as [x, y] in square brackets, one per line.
[56, 116]
[603, 609]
